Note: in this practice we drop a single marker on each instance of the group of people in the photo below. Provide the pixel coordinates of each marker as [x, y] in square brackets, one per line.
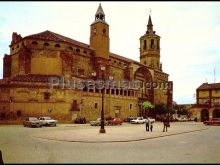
[166, 124]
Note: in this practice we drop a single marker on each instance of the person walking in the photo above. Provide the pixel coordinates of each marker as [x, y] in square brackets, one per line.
[150, 125]
[165, 123]
[147, 124]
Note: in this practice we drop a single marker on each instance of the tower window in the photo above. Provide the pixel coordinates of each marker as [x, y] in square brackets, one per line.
[104, 31]
[34, 43]
[77, 50]
[145, 44]
[152, 44]
[158, 44]
[57, 45]
[46, 44]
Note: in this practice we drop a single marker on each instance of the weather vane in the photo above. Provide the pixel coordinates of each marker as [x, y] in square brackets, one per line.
[150, 11]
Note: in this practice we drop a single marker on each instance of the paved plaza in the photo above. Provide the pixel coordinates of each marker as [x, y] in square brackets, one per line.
[126, 133]
[187, 142]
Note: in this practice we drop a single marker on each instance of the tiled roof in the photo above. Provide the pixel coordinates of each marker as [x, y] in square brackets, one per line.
[33, 78]
[48, 35]
[121, 58]
[209, 86]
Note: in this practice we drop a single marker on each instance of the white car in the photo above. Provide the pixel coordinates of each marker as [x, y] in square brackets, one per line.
[138, 120]
[48, 121]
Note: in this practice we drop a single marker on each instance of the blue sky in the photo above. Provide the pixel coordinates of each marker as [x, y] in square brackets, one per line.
[190, 33]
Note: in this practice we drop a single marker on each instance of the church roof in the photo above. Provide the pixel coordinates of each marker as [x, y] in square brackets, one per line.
[149, 21]
[100, 10]
[206, 86]
[121, 57]
[48, 35]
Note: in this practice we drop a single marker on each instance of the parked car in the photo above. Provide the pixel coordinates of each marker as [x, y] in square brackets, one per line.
[213, 121]
[138, 120]
[128, 119]
[182, 119]
[173, 119]
[48, 121]
[97, 122]
[80, 120]
[32, 122]
[115, 121]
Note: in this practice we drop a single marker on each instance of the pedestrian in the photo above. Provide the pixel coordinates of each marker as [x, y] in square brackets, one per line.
[151, 125]
[165, 123]
[147, 124]
[1, 159]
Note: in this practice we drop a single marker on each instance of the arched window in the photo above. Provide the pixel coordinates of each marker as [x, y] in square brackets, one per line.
[104, 32]
[57, 45]
[78, 50]
[145, 44]
[152, 43]
[85, 52]
[71, 48]
[158, 44]
[34, 43]
[46, 44]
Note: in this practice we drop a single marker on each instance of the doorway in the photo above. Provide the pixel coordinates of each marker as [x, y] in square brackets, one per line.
[204, 115]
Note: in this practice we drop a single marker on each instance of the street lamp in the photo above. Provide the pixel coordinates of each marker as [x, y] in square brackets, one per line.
[102, 129]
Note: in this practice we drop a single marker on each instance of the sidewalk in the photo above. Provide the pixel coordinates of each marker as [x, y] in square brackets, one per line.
[125, 133]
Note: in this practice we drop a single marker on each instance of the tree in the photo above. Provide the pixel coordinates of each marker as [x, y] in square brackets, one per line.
[160, 109]
[147, 106]
[171, 111]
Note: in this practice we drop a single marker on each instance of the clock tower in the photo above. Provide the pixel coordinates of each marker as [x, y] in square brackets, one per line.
[150, 48]
[99, 35]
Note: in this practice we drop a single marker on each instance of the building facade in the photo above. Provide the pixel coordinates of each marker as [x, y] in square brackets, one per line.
[40, 60]
[207, 102]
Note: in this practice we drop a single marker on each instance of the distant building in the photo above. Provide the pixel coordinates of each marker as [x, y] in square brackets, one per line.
[34, 59]
[207, 101]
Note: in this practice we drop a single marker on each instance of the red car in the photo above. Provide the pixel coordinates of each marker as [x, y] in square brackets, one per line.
[214, 121]
[115, 121]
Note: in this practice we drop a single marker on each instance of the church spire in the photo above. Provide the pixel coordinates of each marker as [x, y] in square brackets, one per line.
[149, 25]
[100, 15]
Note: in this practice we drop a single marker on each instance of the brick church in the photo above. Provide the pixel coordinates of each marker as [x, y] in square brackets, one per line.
[33, 59]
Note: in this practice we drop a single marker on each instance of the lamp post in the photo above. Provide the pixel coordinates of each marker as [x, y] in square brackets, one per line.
[102, 129]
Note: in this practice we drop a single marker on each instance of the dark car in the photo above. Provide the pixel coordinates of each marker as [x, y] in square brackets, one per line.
[213, 121]
[115, 121]
[32, 122]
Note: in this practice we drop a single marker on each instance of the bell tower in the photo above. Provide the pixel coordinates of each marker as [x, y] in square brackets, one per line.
[150, 48]
[99, 34]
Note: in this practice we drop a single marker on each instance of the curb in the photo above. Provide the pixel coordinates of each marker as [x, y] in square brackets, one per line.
[122, 141]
